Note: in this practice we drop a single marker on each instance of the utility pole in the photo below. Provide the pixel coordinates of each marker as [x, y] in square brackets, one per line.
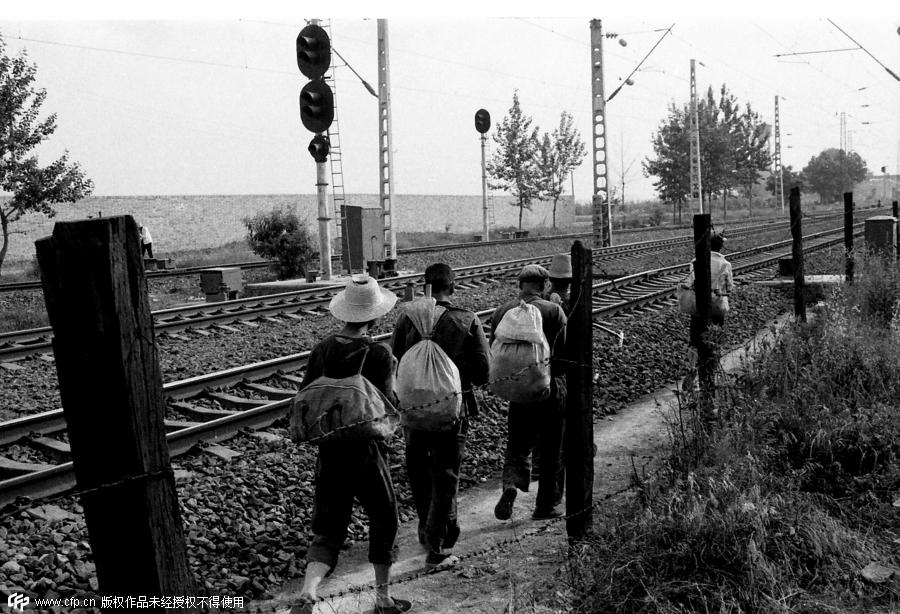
[385, 150]
[696, 183]
[779, 174]
[843, 145]
[602, 219]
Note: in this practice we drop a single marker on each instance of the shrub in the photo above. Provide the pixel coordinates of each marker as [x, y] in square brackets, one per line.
[280, 236]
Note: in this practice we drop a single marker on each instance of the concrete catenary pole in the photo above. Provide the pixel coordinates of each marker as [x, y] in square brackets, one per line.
[696, 183]
[602, 222]
[385, 150]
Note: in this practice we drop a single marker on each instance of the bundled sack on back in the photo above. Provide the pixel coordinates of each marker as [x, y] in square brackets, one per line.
[428, 383]
[520, 356]
[332, 409]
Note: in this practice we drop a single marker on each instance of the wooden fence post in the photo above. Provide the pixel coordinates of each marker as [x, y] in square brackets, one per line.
[895, 211]
[702, 292]
[111, 390]
[579, 432]
[797, 255]
[848, 236]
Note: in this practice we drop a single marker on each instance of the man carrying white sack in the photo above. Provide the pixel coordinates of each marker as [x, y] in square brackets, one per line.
[536, 417]
[435, 446]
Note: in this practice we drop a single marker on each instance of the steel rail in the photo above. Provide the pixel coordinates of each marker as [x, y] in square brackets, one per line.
[59, 478]
[15, 345]
[255, 264]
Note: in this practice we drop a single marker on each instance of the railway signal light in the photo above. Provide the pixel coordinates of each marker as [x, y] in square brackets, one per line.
[319, 147]
[316, 106]
[482, 121]
[313, 51]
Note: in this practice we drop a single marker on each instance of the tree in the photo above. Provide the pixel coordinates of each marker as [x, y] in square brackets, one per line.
[789, 179]
[733, 149]
[671, 166]
[560, 154]
[834, 172]
[279, 235]
[514, 165]
[28, 186]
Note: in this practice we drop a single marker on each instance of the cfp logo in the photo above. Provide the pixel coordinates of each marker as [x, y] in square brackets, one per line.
[17, 601]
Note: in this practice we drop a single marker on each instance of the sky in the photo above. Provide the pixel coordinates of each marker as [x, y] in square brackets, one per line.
[177, 99]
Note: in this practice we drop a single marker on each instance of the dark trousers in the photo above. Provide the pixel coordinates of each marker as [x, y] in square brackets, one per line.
[346, 470]
[535, 425]
[433, 461]
[147, 248]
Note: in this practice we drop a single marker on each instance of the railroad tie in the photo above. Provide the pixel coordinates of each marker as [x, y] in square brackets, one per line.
[271, 392]
[240, 403]
[10, 468]
[55, 449]
[200, 414]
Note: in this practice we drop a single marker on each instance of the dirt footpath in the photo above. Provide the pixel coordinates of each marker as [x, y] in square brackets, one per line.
[502, 561]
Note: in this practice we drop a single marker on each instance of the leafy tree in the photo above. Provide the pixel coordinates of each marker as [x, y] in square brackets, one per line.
[789, 179]
[29, 187]
[833, 172]
[514, 165]
[560, 154]
[733, 149]
[280, 236]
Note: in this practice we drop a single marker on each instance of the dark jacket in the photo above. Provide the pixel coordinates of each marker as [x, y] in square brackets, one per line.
[459, 333]
[554, 325]
[339, 356]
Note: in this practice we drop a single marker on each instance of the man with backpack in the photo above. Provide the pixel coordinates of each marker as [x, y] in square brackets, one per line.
[722, 284]
[538, 421]
[434, 456]
[350, 467]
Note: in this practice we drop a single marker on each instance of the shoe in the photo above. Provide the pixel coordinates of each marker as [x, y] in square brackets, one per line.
[304, 605]
[434, 560]
[503, 509]
[400, 605]
[547, 514]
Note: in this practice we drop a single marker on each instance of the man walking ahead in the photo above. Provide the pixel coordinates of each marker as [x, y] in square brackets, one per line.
[433, 459]
[536, 424]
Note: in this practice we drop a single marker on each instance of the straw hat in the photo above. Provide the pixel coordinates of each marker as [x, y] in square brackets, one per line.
[362, 300]
[533, 272]
[561, 267]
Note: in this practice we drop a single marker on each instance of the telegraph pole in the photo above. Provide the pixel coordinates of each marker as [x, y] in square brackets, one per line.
[779, 174]
[385, 150]
[696, 184]
[602, 219]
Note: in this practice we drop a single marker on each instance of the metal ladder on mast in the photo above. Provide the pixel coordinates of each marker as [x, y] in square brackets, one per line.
[339, 200]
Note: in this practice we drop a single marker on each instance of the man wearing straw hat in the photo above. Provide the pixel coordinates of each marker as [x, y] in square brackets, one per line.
[539, 424]
[349, 469]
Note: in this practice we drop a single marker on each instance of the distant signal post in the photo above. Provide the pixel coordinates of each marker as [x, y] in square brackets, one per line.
[482, 125]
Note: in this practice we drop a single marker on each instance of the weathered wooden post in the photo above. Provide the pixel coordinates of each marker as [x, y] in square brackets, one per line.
[703, 292]
[895, 211]
[797, 255]
[579, 435]
[111, 390]
[848, 236]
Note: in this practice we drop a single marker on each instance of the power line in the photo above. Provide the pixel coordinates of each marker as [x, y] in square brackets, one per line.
[889, 71]
[154, 56]
[666, 33]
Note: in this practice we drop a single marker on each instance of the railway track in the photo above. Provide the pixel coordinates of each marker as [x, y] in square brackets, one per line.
[214, 407]
[15, 345]
[257, 264]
